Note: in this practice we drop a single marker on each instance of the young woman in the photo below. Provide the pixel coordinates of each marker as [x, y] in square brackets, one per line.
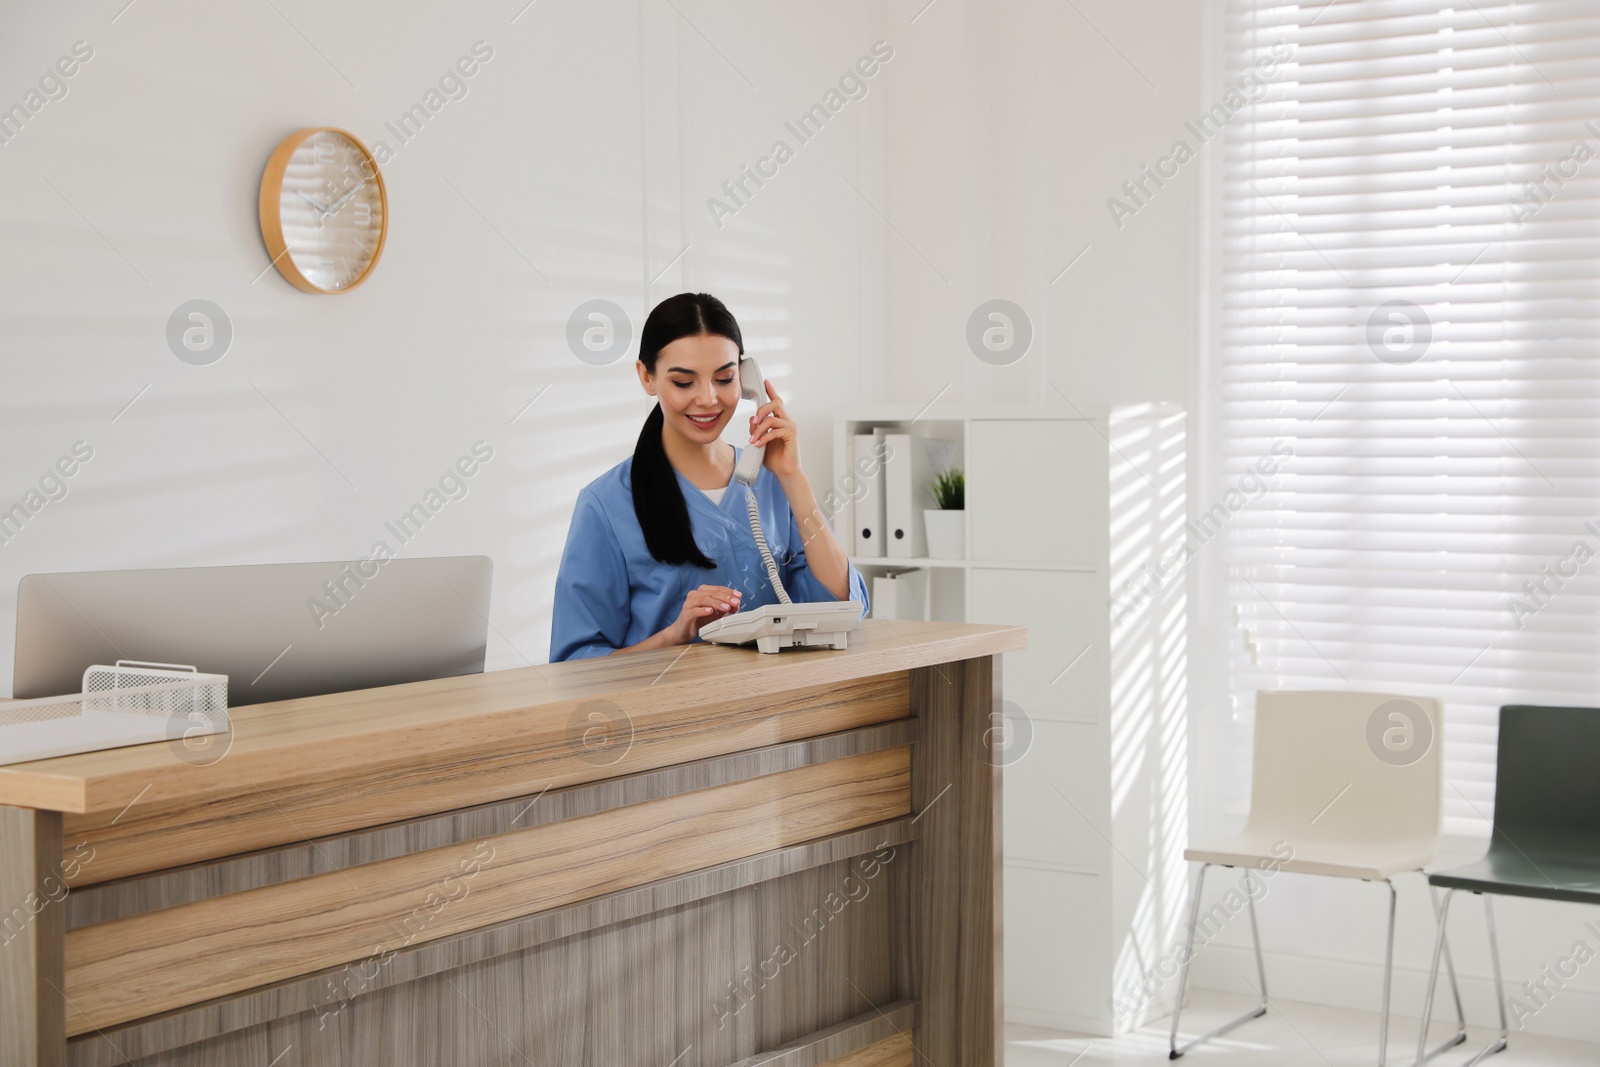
[661, 543]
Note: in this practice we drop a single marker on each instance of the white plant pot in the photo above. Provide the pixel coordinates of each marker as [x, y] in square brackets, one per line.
[947, 533]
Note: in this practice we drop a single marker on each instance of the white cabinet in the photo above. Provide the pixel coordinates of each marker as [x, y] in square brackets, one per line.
[1052, 795]
[1062, 913]
[1062, 672]
[1060, 514]
[1036, 491]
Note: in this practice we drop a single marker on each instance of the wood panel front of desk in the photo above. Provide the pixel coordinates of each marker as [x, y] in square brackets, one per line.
[699, 857]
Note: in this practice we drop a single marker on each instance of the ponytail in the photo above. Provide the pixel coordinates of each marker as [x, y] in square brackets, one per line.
[658, 500]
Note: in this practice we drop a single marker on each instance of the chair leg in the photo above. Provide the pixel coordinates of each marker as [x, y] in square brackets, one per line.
[1388, 977]
[1173, 1051]
[1433, 977]
[1261, 967]
[1388, 972]
[1499, 983]
[1499, 1044]
[1183, 968]
[1455, 987]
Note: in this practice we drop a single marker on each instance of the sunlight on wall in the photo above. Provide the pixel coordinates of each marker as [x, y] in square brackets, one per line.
[1149, 711]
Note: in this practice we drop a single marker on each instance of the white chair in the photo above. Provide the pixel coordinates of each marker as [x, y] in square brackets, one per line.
[1342, 784]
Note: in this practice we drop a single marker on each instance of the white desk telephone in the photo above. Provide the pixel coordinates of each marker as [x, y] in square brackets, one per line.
[784, 624]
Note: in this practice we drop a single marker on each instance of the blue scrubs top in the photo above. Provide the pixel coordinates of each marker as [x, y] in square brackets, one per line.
[611, 593]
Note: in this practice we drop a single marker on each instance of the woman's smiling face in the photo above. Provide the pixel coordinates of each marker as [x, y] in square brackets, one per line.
[697, 380]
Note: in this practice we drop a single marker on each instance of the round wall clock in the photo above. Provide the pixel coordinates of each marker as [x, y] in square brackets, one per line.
[324, 212]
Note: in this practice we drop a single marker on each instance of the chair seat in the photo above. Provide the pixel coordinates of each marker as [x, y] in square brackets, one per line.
[1336, 859]
[1527, 874]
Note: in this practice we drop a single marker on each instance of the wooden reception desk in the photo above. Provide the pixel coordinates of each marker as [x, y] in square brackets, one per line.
[694, 857]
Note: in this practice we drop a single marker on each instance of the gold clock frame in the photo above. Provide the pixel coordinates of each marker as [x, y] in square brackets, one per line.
[272, 221]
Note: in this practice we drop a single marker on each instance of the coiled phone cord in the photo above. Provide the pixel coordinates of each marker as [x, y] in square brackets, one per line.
[761, 543]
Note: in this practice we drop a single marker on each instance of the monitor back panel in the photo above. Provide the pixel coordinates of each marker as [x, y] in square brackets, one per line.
[278, 630]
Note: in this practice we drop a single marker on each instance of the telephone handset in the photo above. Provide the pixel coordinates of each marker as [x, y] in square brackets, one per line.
[784, 624]
[751, 387]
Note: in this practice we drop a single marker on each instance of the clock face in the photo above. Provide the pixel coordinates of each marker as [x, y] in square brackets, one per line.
[330, 211]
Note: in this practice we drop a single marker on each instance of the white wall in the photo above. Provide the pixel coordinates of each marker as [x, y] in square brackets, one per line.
[589, 143]
[1010, 126]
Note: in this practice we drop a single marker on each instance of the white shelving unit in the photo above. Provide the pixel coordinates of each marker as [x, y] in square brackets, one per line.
[1059, 513]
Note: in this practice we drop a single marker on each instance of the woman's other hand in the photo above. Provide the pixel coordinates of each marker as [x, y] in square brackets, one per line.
[705, 604]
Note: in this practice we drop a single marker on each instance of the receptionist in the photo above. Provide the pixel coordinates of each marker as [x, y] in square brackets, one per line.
[661, 543]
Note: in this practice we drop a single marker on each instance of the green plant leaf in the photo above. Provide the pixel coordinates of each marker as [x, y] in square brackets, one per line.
[950, 490]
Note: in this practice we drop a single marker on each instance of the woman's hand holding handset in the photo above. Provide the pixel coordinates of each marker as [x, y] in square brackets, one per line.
[772, 428]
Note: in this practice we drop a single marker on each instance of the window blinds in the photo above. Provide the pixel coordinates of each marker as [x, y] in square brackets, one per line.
[1407, 222]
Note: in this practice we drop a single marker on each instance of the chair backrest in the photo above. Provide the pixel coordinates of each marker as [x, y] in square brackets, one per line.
[1547, 775]
[1346, 767]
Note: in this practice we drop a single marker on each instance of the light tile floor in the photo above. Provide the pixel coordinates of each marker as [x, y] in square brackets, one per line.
[1291, 1034]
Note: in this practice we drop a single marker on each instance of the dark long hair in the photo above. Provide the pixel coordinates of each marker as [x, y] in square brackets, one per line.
[657, 499]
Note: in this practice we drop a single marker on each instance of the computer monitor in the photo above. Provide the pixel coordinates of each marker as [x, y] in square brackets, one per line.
[277, 630]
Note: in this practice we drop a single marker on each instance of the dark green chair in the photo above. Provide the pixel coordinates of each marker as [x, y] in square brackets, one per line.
[1546, 840]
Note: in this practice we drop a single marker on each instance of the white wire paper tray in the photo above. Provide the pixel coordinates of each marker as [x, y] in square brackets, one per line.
[130, 703]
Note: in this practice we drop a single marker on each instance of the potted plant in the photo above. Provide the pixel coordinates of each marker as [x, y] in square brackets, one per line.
[947, 522]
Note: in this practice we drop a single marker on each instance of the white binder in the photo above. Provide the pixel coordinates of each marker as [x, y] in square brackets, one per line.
[864, 456]
[908, 489]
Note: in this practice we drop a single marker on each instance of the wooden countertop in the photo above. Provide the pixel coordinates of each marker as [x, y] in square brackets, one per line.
[423, 723]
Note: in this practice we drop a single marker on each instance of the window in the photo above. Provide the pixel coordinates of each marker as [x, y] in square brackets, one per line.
[1406, 224]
